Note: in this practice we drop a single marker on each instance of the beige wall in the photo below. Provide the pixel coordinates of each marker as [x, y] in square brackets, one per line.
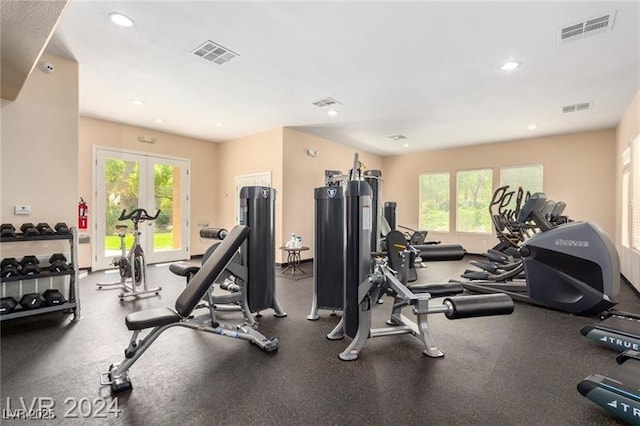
[203, 175]
[303, 173]
[40, 147]
[253, 154]
[578, 169]
[628, 130]
[582, 169]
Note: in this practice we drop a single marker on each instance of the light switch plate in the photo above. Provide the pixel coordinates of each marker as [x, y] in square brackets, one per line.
[22, 209]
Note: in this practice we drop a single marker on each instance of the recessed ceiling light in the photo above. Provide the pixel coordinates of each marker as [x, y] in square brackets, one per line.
[406, 145]
[159, 120]
[332, 113]
[533, 126]
[137, 102]
[219, 124]
[121, 20]
[510, 66]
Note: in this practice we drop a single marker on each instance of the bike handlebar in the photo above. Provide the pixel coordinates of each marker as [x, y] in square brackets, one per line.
[138, 215]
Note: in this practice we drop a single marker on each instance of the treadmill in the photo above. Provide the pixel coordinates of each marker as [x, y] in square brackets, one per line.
[619, 331]
[619, 392]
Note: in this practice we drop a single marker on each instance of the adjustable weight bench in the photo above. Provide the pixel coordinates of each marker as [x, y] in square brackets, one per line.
[161, 319]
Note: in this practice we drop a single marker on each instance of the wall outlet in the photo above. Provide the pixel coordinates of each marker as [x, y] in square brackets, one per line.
[23, 210]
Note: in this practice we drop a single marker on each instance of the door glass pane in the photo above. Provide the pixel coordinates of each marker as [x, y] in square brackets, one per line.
[167, 186]
[121, 193]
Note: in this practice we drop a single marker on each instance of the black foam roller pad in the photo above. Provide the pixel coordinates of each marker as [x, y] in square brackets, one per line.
[214, 233]
[479, 306]
[430, 253]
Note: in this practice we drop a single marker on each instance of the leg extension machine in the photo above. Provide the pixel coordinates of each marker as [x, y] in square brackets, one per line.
[383, 280]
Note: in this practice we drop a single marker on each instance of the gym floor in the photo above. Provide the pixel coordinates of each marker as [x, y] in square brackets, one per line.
[518, 369]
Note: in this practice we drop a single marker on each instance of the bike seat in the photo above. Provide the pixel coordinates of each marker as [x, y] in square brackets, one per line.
[121, 226]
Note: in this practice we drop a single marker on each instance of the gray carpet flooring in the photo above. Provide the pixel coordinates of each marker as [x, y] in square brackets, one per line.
[520, 369]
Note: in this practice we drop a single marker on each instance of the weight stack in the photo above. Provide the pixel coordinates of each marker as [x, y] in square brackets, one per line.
[257, 211]
[374, 179]
[390, 209]
[328, 266]
[358, 249]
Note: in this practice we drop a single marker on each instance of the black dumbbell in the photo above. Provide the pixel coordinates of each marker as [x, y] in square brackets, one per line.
[7, 230]
[10, 267]
[230, 286]
[7, 305]
[62, 228]
[58, 263]
[29, 266]
[29, 230]
[53, 297]
[45, 229]
[32, 301]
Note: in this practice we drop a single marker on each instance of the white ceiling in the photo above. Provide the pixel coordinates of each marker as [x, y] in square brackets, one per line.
[20, 50]
[427, 70]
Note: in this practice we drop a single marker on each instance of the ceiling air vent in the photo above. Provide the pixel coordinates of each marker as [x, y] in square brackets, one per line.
[397, 137]
[214, 52]
[597, 25]
[326, 102]
[576, 107]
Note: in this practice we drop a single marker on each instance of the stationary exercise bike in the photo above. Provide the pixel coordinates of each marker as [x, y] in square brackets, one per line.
[132, 265]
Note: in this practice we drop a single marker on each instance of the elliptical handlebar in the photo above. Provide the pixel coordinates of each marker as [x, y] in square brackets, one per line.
[138, 215]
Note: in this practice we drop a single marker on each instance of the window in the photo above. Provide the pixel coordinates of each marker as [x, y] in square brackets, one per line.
[635, 198]
[529, 177]
[434, 202]
[626, 203]
[625, 208]
[473, 196]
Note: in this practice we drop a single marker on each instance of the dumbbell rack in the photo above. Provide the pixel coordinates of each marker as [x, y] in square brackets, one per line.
[73, 298]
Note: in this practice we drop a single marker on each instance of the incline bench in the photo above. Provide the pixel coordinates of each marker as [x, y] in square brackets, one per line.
[160, 319]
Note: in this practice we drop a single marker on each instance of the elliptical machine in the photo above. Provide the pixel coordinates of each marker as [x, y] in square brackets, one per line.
[132, 265]
[572, 268]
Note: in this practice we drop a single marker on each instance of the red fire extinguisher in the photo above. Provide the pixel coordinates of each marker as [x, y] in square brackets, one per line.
[83, 219]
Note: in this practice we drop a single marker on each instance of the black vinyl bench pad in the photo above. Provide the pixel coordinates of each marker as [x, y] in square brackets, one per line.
[151, 318]
[437, 290]
[183, 270]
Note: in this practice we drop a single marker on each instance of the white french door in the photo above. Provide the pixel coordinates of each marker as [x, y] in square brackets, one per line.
[127, 181]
